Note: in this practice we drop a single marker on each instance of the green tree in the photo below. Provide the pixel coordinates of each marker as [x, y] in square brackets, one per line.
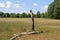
[38, 14]
[1, 14]
[46, 15]
[54, 9]
[13, 15]
[43, 15]
[18, 15]
[7, 15]
[24, 15]
[51, 10]
[29, 16]
[57, 9]
[35, 15]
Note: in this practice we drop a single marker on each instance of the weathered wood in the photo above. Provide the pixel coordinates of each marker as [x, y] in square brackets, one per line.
[24, 33]
[32, 16]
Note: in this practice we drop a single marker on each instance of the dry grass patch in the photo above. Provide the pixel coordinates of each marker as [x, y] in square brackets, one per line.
[10, 26]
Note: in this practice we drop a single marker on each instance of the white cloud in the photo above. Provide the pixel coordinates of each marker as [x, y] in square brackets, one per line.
[44, 9]
[8, 4]
[46, 6]
[23, 11]
[18, 6]
[35, 4]
[2, 5]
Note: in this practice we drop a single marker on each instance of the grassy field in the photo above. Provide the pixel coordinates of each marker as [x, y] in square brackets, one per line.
[11, 26]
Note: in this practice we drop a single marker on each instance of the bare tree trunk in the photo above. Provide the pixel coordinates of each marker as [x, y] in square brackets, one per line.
[33, 23]
[32, 16]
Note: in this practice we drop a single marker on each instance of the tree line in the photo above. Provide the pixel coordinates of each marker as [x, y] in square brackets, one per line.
[54, 10]
[22, 15]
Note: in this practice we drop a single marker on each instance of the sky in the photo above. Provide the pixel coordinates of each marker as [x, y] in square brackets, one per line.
[19, 6]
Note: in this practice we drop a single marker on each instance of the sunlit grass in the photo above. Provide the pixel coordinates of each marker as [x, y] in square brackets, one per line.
[10, 26]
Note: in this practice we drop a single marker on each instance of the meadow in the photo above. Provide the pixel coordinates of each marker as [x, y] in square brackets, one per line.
[11, 26]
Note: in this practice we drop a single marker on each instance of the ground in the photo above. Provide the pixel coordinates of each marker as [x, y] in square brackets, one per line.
[11, 26]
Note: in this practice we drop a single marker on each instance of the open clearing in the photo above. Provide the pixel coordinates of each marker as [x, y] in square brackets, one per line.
[11, 26]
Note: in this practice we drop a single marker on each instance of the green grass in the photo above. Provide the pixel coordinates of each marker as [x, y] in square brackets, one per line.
[10, 26]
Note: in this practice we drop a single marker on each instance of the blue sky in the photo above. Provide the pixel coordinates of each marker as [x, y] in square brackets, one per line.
[19, 6]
